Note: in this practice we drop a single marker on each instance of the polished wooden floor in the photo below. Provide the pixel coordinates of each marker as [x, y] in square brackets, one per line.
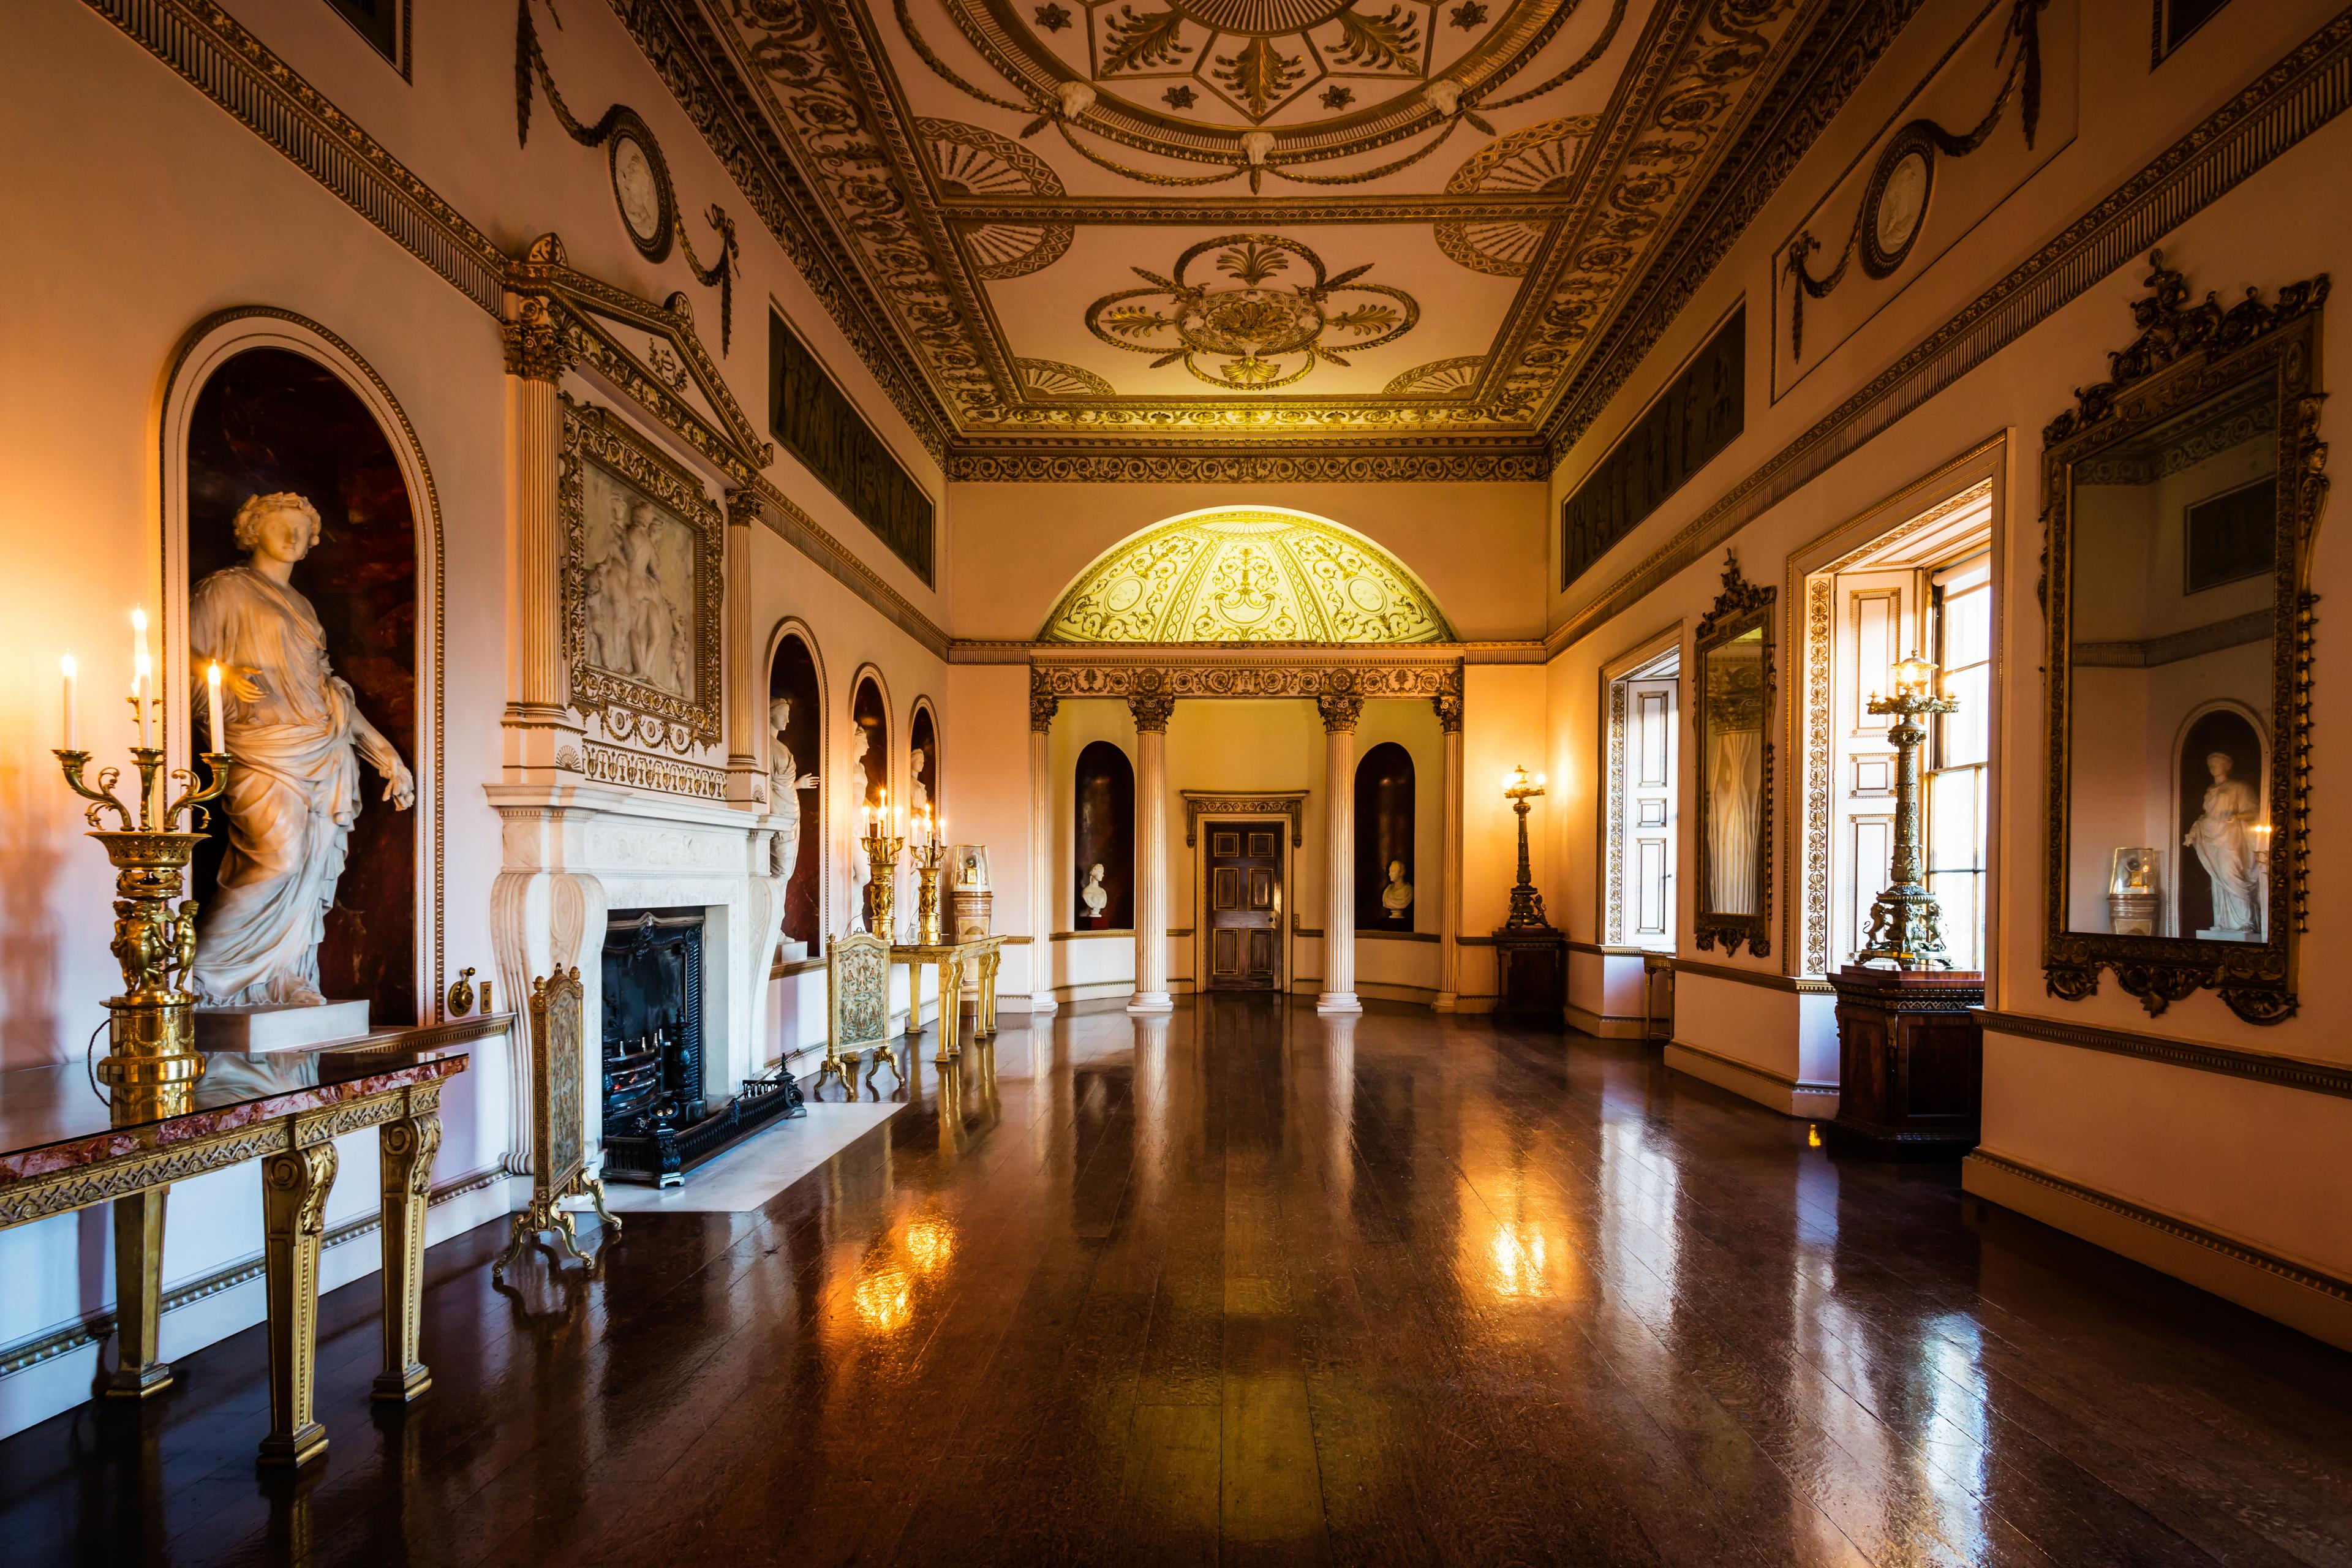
[1245, 1285]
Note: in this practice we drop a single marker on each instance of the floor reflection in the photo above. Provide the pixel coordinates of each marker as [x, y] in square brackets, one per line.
[1245, 1283]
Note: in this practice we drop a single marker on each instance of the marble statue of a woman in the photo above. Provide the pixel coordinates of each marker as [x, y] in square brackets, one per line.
[1397, 896]
[297, 736]
[861, 869]
[1094, 895]
[2223, 838]
[784, 786]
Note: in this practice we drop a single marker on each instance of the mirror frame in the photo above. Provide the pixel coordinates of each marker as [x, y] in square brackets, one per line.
[1741, 607]
[2184, 353]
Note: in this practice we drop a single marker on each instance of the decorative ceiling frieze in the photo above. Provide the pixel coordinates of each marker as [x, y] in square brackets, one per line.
[969, 173]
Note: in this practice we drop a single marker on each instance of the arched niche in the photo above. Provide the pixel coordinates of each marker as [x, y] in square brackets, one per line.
[262, 402]
[869, 763]
[2232, 730]
[923, 759]
[1383, 837]
[795, 681]
[1105, 835]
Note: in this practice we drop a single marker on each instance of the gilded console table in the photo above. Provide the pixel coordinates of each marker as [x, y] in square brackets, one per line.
[62, 1147]
[982, 955]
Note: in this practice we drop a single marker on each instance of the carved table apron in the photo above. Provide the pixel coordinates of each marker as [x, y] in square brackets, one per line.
[983, 954]
[284, 1109]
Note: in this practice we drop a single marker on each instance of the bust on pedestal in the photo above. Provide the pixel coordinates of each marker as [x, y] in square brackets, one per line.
[299, 737]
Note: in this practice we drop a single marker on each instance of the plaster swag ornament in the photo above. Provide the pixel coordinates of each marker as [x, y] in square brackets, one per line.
[298, 735]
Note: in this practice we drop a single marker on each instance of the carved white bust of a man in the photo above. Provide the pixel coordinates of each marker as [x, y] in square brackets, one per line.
[1397, 896]
[298, 735]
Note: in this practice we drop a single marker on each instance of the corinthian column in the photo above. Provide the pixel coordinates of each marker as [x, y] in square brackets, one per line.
[1449, 899]
[1151, 711]
[746, 702]
[1041, 894]
[538, 721]
[1340, 711]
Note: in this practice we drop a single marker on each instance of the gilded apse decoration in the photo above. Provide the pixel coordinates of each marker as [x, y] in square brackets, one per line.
[2178, 696]
[1248, 330]
[643, 556]
[1246, 575]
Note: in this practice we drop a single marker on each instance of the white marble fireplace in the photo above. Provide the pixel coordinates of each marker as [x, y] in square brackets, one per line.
[572, 853]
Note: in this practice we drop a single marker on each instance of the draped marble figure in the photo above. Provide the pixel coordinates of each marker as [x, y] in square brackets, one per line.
[2222, 837]
[784, 785]
[298, 735]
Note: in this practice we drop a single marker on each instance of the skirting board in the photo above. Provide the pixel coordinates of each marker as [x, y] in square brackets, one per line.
[1605, 1026]
[2318, 1304]
[1812, 1101]
[54, 1371]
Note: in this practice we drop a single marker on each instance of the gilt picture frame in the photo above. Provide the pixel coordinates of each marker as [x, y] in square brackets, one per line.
[644, 558]
[1731, 723]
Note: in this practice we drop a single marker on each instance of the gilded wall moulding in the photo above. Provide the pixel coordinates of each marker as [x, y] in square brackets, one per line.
[1199, 803]
[1246, 575]
[1228, 468]
[1310, 674]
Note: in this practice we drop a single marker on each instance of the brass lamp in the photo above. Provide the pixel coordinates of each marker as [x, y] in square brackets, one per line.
[1907, 927]
[1519, 787]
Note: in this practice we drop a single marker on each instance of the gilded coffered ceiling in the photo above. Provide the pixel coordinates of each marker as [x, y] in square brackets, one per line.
[1398, 229]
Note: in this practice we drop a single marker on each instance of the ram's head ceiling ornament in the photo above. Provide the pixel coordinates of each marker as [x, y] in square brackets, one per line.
[1410, 232]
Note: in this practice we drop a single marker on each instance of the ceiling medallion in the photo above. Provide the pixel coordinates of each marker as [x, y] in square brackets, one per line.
[1254, 325]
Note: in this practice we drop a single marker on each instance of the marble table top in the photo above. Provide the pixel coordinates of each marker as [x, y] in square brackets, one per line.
[54, 1119]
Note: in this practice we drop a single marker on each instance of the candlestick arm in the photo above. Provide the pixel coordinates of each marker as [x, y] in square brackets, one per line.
[102, 798]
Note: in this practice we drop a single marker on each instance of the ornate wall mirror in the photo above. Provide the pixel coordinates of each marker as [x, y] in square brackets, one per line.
[2179, 500]
[1733, 717]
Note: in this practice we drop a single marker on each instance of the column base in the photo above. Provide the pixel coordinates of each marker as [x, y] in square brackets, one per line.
[1337, 1002]
[1446, 1002]
[1152, 1002]
[1043, 1002]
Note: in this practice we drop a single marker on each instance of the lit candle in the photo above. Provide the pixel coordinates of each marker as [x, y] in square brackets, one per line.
[140, 686]
[212, 704]
[139, 635]
[73, 708]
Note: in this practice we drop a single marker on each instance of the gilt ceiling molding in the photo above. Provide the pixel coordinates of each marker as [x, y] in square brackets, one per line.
[1255, 468]
[2308, 86]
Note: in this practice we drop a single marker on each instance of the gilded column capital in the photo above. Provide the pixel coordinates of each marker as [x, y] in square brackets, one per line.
[1449, 711]
[1340, 710]
[742, 506]
[1151, 711]
[537, 349]
[1043, 706]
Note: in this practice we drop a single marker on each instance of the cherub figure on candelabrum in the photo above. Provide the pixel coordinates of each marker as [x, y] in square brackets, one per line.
[784, 786]
[297, 736]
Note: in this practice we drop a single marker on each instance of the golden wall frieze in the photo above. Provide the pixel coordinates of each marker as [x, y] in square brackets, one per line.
[1225, 211]
[1253, 672]
[967, 467]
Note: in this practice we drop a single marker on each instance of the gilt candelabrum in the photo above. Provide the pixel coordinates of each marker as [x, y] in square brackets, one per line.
[1907, 927]
[1527, 904]
[151, 1038]
[926, 895]
[882, 860]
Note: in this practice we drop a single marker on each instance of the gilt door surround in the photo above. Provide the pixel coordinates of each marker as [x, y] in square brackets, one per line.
[570, 854]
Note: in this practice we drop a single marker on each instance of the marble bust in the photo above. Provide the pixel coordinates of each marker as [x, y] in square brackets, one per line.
[298, 738]
[1397, 896]
[784, 786]
[1093, 895]
[2222, 837]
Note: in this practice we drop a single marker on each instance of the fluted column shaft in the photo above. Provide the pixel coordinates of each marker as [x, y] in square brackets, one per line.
[1340, 711]
[1151, 711]
[1043, 899]
[746, 704]
[1449, 927]
[537, 719]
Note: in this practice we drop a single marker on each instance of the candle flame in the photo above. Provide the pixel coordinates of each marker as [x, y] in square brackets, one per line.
[139, 618]
[66, 666]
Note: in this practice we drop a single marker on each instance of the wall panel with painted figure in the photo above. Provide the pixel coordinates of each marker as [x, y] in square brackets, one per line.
[271, 421]
[1104, 899]
[1384, 849]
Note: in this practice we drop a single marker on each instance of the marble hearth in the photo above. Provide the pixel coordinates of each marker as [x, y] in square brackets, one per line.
[571, 854]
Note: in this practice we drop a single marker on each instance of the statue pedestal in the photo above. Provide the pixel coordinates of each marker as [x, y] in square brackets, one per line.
[280, 1026]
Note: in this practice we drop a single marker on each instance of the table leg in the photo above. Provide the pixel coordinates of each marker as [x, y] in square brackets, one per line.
[984, 1025]
[294, 1187]
[951, 992]
[914, 996]
[408, 1147]
[139, 1370]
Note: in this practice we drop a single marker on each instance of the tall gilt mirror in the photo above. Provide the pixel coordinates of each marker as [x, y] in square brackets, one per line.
[2180, 499]
[1733, 717]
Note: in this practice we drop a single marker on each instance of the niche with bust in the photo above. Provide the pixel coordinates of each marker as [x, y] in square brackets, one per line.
[1103, 898]
[308, 882]
[922, 765]
[1384, 839]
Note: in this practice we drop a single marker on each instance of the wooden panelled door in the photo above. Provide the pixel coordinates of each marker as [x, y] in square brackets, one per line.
[1244, 905]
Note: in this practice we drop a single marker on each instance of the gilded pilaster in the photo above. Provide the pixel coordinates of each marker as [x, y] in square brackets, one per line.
[746, 704]
[538, 718]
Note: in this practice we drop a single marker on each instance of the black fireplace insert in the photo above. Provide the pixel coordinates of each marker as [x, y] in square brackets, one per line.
[659, 1123]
